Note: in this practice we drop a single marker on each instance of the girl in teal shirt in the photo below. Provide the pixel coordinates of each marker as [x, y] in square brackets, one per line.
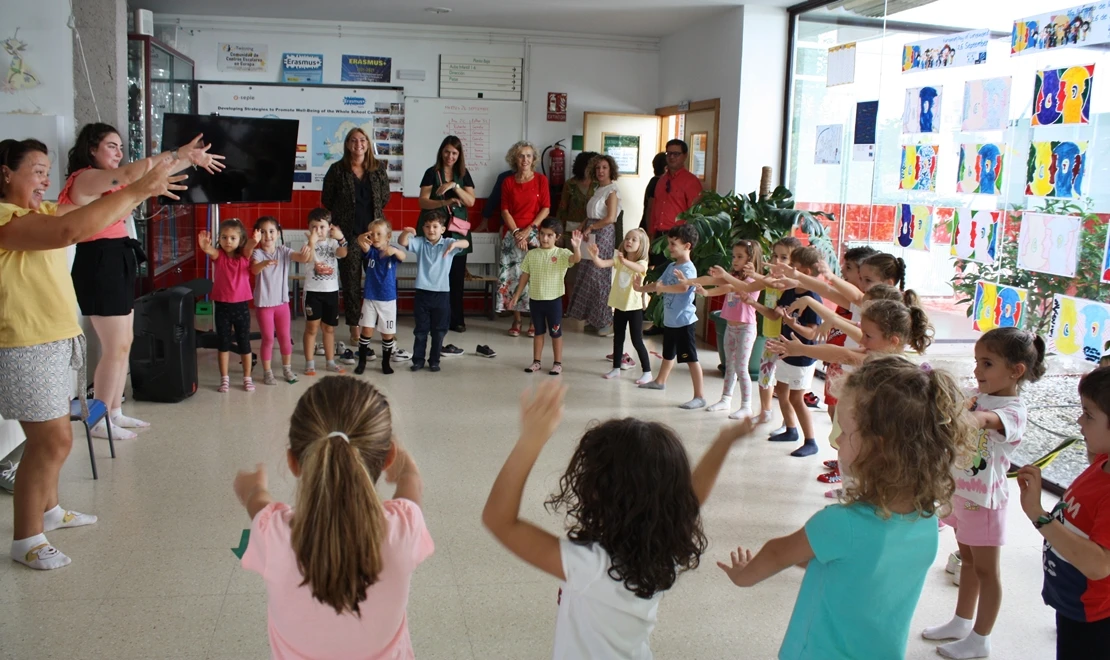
[866, 557]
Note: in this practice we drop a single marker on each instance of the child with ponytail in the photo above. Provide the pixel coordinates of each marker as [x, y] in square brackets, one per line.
[337, 567]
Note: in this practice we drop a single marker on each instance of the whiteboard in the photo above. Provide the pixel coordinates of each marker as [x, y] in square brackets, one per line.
[487, 130]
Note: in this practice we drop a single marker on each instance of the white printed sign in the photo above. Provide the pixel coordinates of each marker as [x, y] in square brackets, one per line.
[242, 57]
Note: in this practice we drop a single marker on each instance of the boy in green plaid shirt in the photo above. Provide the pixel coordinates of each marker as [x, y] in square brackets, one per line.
[543, 271]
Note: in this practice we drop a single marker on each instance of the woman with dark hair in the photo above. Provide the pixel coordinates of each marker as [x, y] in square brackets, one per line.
[356, 189]
[590, 299]
[448, 186]
[525, 203]
[105, 264]
[576, 192]
[40, 340]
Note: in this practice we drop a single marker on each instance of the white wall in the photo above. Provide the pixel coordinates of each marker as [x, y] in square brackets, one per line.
[762, 95]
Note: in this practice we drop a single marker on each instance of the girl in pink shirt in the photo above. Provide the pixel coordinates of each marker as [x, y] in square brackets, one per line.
[231, 291]
[337, 567]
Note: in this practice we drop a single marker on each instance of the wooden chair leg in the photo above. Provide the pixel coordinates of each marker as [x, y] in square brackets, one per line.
[92, 456]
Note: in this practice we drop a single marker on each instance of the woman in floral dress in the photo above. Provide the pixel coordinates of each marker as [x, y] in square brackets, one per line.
[590, 299]
[525, 203]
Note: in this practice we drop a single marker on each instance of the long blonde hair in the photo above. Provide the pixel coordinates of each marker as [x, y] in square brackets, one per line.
[645, 244]
[370, 163]
[339, 522]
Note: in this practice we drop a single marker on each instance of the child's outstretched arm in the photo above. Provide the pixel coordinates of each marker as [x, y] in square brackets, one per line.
[403, 472]
[712, 291]
[252, 242]
[738, 285]
[1088, 557]
[396, 252]
[807, 331]
[575, 247]
[461, 244]
[823, 352]
[540, 414]
[634, 266]
[828, 316]
[986, 419]
[776, 556]
[250, 488]
[835, 289]
[259, 266]
[204, 242]
[705, 474]
[307, 253]
[337, 234]
[591, 249]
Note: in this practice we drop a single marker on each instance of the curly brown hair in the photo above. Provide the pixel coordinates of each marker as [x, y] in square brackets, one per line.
[907, 457]
[591, 167]
[894, 317]
[629, 489]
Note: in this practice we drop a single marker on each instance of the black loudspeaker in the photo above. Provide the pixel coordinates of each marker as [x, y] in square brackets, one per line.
[164, 354]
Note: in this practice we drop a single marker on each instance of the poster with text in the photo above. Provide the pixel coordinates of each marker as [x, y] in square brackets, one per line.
[1084, 25]
[1106, 261]
[914, 229]
[829, 142]
[841, 65]
[986, 104]
[366, 69]
[1056, 169]
[974, 234]
[980, 169]
[242, 57]
[1049, 243]
[963, 49]
[302, 68]
[919, 167]
[1063, 96]
[998, 306]
[1080, 328]
[921, 113]
[863, 138]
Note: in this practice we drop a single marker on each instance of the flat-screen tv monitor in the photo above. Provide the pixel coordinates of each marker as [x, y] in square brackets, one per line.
[259, 158]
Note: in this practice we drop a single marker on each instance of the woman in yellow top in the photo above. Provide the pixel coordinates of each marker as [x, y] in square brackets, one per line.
[40, 341]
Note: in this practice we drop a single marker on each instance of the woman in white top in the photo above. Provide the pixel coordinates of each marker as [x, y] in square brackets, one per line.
[590, 299]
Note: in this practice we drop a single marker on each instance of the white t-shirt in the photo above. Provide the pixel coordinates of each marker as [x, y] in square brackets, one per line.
[598, 617]
[596, 208]
[857, 313]
[981, 477]
[324, 274]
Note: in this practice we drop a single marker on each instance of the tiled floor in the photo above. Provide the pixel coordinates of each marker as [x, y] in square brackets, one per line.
[156, 577]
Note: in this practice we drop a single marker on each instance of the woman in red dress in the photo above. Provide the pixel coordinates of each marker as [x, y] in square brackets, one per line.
[525, 202]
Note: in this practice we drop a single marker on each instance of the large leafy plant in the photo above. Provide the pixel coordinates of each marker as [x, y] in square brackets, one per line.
[1041, 286]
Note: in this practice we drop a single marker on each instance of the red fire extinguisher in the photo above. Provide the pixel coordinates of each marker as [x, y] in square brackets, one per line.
[557, 171]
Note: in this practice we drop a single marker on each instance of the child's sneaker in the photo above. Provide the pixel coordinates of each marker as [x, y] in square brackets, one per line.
[830, 477]
[401, 355]
[627, 362]
[348, 357]
[955, 562]
[319, 348]
[811, 400]
[451, 350]
[485, 351]
[832, 464]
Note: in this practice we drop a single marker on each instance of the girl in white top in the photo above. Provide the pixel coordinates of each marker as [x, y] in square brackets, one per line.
[628, 304]
[634, 507]
[589, 300]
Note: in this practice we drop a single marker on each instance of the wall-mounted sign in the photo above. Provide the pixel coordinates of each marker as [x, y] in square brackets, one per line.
[367, 69]
[625, 150]
[242, 57]
[471, 77]
[302, 68]
[556, 106]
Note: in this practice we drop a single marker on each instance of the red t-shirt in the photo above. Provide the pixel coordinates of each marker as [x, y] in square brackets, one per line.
[674, 193]
[1087, 513]
[523, 201]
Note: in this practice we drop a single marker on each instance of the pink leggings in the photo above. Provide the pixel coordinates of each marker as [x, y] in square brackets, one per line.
[268, 318]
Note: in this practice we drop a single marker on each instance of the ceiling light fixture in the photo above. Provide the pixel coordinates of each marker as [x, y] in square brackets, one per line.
[438, 10]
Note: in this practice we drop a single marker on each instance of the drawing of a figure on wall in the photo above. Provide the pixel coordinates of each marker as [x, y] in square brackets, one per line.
[927, 96]
[19, 75]
[1069, 169]
[1007, 308]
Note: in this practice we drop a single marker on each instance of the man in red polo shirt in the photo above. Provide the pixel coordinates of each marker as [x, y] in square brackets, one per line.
[676, 190]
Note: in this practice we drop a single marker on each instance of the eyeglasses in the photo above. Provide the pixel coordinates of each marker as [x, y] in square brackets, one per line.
[674, 154]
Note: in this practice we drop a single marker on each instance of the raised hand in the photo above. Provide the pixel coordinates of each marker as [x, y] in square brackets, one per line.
[784, 270]
[783, 283]
[204, 241]
[308, 249]
[159, 181]
[248, 483]
[740, 559]
[714, 271]
[336, 233]
[541, 411]
[257, 236]
[800, 305]
[734, 432]
[747, 271]
[576, 238]
[592, 249]
[1029, 481]
[312, 238]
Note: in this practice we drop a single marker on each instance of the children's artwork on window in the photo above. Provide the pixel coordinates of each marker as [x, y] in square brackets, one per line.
[1080, 328]
[1063, 96]
[980, 169]
[975, 235]
[829, 141]
[1049, 243]
[1085, 25]
[915, 226]
[986, 104]
[998, 306]
[919, 167]
[922, 110]
[1106, 261]
[1056, 169]
[963, 49]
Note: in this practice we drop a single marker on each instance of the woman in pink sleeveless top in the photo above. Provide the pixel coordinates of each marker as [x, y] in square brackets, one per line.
[105, 264]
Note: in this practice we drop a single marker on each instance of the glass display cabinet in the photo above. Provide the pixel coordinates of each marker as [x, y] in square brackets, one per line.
[159, 80]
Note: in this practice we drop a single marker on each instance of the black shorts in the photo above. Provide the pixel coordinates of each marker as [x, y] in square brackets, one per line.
[680, 343]
[322, 305]
[104, 276]
[547, 316]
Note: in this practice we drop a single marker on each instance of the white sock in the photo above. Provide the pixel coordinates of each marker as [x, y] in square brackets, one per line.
[37, 553]
[119, 419]
[724, 404]
[615, 373]
[972, 646]
[646, 378]
[59, 518]
[310, 365]
[957, 628]
[743, 412]
[118, 432]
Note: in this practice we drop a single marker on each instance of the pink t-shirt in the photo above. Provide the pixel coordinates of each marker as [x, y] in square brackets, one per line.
[232, 280]
[738, 308]
[117, 229]
[301, 627]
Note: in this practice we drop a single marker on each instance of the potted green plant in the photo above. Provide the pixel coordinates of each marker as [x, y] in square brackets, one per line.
[721, 220]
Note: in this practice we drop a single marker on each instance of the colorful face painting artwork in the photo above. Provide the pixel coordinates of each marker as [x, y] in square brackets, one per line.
[980, 169]
[1056, 169]
[1106, 261]
[919, 167]
[1080, 328]
[975, 235]
[915, 226]
[922, 110]
[1085, 25]
[986, 104]
[1063, 96]
[1049, 243]
[998, 306]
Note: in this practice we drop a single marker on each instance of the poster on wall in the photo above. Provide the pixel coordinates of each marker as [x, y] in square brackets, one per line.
[922, 110]
[1063, 96]
[326, 114]
[366, 69]
[914, 229]
[863, 138]
[1106, 261]
[625, 149]
[242, 57]
[302, 68]
[699, 150]
[963, 49]
[841, 65]
[980, 169]
[1056, 169]
[998, 306]
[986, 104]
[1085, 25]
[830, 138]
[974, 234]
[556, 106]
[919, 167]
[1080, 328]
[1049, 243]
